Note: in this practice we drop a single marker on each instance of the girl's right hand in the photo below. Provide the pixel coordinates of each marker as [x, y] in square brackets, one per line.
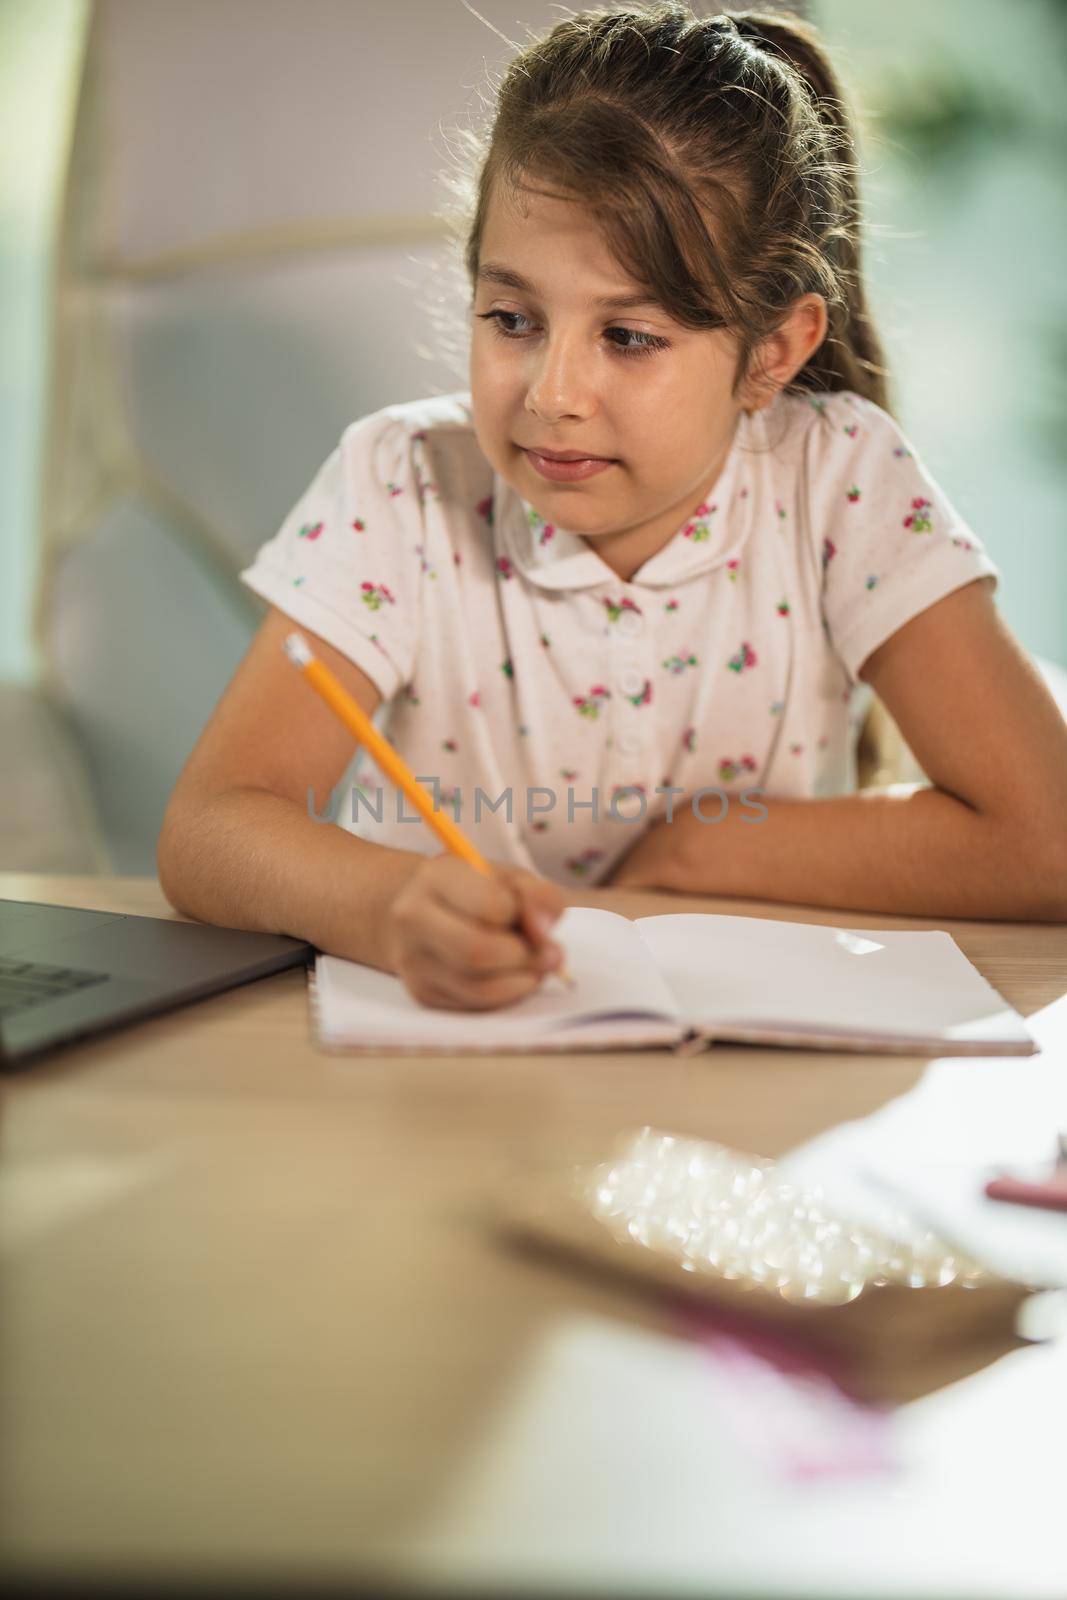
[466, 942]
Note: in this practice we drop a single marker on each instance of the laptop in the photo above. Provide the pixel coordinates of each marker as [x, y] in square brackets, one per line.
[67, 974]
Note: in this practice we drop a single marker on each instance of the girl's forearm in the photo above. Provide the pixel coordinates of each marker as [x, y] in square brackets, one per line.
[252, 859]
[910, 850]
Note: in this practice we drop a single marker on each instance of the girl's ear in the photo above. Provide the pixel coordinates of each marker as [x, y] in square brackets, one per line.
[785, 351]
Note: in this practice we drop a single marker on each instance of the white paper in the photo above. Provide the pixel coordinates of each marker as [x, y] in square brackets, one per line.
[933, 1149]
[605, 1465]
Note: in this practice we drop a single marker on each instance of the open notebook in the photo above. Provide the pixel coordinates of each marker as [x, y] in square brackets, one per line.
[686, 980]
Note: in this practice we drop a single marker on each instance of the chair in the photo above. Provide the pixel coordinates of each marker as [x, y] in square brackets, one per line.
[246, 260]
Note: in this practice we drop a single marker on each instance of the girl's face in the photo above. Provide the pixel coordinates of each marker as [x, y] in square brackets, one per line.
[551, 367]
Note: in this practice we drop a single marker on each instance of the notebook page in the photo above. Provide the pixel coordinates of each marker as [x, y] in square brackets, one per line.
[618, 994]
[896, 984]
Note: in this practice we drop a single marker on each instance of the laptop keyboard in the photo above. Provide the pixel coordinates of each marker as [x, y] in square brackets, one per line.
[28, 983]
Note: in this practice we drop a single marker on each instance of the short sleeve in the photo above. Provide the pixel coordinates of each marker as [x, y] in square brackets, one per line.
[347, 560]
[887, 538]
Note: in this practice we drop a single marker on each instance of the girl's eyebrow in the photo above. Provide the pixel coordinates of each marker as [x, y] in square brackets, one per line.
[496, 272]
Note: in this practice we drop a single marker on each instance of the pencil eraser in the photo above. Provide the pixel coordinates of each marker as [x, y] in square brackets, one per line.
[296, 649]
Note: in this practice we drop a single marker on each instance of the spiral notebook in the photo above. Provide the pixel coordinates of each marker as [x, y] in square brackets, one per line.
[686, 980]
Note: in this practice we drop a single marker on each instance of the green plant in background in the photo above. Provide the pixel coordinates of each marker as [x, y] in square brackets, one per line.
[945, 118]
[950, 119]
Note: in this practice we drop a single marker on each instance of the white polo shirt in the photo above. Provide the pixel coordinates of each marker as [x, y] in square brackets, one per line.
[513, 661]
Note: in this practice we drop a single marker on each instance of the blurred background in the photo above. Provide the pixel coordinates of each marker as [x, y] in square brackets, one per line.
[219, 244]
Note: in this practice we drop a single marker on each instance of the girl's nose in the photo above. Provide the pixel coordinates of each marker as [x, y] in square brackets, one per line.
[560, 382]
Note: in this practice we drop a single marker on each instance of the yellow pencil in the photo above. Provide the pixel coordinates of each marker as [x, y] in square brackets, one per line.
[389, 760]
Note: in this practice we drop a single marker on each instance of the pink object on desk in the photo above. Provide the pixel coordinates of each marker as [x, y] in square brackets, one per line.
[1050, 1193]
[788, 1405]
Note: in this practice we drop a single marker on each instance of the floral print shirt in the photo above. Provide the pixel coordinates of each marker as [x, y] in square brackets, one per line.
[556, 710]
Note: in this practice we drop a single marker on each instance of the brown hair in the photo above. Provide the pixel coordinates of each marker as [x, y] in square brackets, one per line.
[717, 156]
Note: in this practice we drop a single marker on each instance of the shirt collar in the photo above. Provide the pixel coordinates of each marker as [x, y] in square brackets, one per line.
[552, 557]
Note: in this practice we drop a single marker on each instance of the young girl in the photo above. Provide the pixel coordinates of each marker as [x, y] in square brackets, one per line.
[647, 667]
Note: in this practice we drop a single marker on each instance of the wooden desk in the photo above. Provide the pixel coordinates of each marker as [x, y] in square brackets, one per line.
[253, 1323]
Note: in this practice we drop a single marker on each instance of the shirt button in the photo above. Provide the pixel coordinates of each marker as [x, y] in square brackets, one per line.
[631, 680]
[630, 624]
[629, 743]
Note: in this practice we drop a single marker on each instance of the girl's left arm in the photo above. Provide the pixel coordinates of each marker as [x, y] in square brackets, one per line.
[986, 839]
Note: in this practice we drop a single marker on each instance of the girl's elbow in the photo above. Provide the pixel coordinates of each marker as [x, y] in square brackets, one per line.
[1048, 899]
[1058, 908]
[1056, 875]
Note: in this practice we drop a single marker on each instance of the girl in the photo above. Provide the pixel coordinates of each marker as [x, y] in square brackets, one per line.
[625, 600]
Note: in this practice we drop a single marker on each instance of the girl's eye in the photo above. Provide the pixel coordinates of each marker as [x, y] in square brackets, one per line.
[648, 345]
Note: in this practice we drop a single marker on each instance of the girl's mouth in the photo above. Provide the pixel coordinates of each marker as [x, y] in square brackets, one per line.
[567, 471]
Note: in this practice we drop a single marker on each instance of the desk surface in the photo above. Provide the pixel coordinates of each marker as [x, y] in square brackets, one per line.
[255, 1324]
